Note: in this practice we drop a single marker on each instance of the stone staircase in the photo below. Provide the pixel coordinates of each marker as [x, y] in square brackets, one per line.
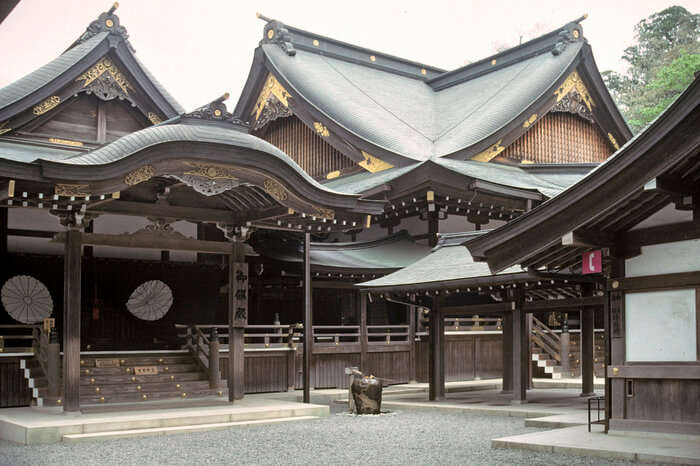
[131, 378]
[546, 350]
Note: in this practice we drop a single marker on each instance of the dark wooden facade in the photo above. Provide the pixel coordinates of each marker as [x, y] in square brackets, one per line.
[305, 147]
[560, 137]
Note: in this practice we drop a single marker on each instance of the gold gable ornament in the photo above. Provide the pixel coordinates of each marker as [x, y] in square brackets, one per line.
[613, 141]
[272, 87]
[69, 190]
[374, 164]
[321, 130]
[139, 175]
[490, 153]
[574, 82]
[275, 189]
[46, 105]
[105, 66]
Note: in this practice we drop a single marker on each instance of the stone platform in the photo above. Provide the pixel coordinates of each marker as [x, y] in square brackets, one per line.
[50, 425]
[635, 447]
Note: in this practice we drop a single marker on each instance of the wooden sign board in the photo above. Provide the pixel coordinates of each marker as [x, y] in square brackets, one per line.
[106, 362]
[146, 370]
[240, 294]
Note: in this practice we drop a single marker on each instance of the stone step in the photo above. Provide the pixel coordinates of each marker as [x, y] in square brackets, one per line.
[74, 438]
[148, 388]
[162, 369]
[131, 397]
[131, 361]
[126, 378]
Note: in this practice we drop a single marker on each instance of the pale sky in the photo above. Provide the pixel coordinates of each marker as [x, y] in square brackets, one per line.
[199, 49]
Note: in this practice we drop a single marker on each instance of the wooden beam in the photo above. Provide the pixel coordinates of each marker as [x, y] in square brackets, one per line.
[71, 321]
[472, 309]
[135, 241]
[671, 185]
[661, 234]
[308, 319]
[535, 306]
[587, 239]
[655, 282]
[194, 214]
[7, 190]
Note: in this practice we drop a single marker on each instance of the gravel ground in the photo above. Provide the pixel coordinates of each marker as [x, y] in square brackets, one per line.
[403, 437]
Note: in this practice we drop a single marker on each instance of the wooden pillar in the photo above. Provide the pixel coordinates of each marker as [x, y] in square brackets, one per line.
[364, 340]
[3, 231]
[214, 374]
[507, 352]
[437, 352]
[565, 342]
[237, 289]
[53, 364]
[520, 339]
[587, 323]
[308, 319]
[71, 320]
[412, 341]
[433, 228]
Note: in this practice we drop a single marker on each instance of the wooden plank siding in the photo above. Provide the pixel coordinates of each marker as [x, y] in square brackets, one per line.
[14, 391]
[304, 146]
[560, 137]
[467, 357]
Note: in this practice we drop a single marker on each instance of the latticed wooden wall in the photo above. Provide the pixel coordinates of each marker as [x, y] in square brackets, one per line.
[304, 146]
[560, 137]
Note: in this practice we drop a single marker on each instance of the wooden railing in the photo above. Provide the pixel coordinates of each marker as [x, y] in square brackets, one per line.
[387, 334]
[17, 335]
[204, 348]
[335, 335]
[467, 324]
[544, 338]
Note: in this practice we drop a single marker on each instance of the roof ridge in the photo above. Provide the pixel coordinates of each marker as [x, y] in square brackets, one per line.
[554, 41]
[399, 235]
[290, 38]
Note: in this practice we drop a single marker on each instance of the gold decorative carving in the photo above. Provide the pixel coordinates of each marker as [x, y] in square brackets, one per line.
[46, 105]
[66, 142]
[613, 141]
[374, 164]
[321, 130]
[530, 121]
[155, 119]
[71, 190]
[333, 174]
[322, 212]
[275, 189]
[3, 127]
[574, 82]
[490, 153]
[105, 66]
[271, 88]
[213, 172]
[139, 175]
[315, 42]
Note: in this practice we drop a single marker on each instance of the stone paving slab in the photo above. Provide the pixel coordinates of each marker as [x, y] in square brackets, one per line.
[578, 441]
[48, 425]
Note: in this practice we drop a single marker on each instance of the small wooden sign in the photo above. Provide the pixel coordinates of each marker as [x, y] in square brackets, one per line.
[49, 323]
[146, 370]
[106, 362]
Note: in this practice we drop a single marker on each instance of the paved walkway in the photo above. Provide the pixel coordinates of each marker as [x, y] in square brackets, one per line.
[578, 441]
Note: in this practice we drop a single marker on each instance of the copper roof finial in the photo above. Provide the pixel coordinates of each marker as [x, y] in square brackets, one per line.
[115, 5]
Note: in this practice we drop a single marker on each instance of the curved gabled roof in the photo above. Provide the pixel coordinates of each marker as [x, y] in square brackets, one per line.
[406, 116]
[102, 36]
[404, 112]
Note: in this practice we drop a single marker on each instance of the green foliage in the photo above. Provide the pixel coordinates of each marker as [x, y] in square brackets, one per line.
[661, 65]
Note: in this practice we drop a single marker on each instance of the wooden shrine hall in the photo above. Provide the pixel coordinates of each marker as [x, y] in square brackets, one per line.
[448, 283]
[139, 235]
[635, 219]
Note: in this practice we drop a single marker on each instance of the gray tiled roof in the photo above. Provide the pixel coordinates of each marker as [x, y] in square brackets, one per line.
[28, 153]
[449, 261]
[549, 184]
[47, 73]
[392, 252]
[404, 115]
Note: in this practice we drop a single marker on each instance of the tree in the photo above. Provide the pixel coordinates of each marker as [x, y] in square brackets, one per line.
[661, 65]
